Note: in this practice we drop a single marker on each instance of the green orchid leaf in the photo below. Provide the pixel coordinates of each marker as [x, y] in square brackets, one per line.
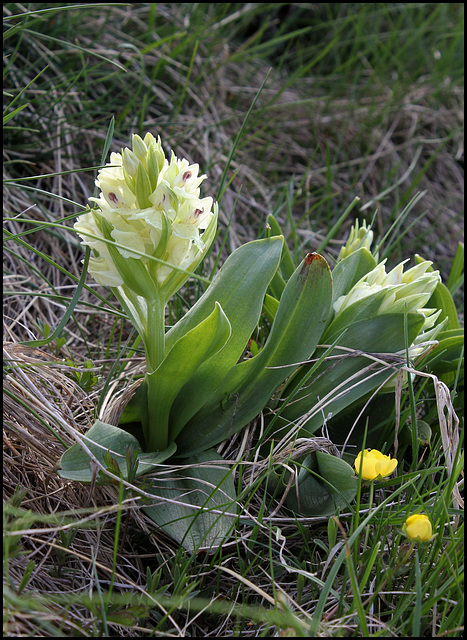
[445, 357]
[239, 287]
[201, 485]
[136, 406]
[277, 285]
[270, 306]
[324, 484]
[363, 310]
[299, 322]
[350, 270]
[287, 266]
[344, 378]
[183, 359]
[111, 446]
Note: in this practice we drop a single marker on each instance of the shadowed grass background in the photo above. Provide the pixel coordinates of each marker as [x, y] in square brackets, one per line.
[349, 99]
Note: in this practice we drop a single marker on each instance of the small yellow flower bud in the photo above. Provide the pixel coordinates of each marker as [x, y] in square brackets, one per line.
[374, 464]
[418, 527]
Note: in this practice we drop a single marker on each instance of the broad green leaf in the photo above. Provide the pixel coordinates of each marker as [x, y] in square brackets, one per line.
[350, 270]
[299, 322]
[137, 405]
[324, 484]
[102, 439]
[363, 309]
[445, 356]
[239, 287]
[287, 266]
[183, 359]
[270, 306]
[204, 483]
[456, 276]
[338, 382]
[277, 285]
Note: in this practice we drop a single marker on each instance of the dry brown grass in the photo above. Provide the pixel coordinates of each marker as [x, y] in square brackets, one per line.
[290, 136]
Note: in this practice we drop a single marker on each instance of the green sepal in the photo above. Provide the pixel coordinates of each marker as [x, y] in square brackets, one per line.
[142, 187]
[199, 484]
[323, 485]
[108, 444]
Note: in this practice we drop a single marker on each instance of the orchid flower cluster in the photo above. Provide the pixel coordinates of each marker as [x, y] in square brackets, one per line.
[151, 209]
[148, 229]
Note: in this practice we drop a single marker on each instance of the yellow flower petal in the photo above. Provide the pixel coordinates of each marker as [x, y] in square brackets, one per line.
[374, 464]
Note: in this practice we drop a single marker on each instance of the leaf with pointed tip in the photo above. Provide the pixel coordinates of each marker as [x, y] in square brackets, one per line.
[350, 270]
[336, 384]
[287, 266]
[182, 361]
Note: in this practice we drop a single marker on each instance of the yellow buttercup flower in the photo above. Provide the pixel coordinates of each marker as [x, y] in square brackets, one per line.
[418, 527]
[374, 464]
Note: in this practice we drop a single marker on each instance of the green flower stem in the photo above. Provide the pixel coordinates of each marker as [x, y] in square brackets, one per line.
[155, 334]
[372, 488]
[156, 430]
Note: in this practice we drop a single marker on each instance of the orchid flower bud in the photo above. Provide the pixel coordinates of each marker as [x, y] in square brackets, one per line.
[358, 237]
[410, 290]
[418, 527]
